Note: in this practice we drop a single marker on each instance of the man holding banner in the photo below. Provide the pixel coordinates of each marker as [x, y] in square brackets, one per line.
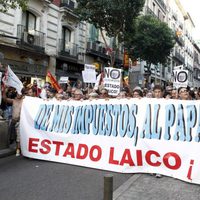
[10, 79]
[16, 110]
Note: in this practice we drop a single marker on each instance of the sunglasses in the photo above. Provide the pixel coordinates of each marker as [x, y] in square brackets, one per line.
[183, 91]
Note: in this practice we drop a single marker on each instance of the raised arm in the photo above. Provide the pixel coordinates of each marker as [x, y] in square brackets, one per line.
[5, 98]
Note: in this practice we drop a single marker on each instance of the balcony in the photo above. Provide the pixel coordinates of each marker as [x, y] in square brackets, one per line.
[148, 11]
[196, 74]
[181, 25]
[162, 4]
[196, 65]
[96, 48]
[31, 39]
[68, 50]
[180, 40]
[67, 13]
[179, 57]
[174, 15]
[189, 67]
[196, 58]
[67, 4]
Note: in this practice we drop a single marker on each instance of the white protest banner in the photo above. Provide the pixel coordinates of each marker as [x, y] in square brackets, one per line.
[89, 67]
[180, 78]
[63, 79]
[89, 76]
[121, 135]
[97, 82]
[12, 80]
[0, 88]
[112, 80]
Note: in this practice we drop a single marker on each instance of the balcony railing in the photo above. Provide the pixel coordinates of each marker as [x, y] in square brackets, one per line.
[96, 48]
[161, 2]
[148, 11]
[196, 58]
[180, 40]
[189, 67]
[178, 56]
[30, 38]
[68, 49]
[181, 25]
[196, 65]
[196, 74]
[68, 4]
[174, 15]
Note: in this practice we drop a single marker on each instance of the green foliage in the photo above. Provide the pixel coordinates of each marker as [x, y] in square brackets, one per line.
[152, 41]
[113, 16]
[6, 4]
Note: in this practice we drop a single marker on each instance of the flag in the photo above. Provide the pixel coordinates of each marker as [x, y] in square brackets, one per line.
[10, 79]
[53, 81]
[126, 80]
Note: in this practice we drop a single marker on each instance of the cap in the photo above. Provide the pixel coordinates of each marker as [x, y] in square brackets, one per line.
[137, 88]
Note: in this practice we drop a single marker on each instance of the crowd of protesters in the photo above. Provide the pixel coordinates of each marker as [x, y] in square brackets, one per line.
[80, 91]
[12, 101]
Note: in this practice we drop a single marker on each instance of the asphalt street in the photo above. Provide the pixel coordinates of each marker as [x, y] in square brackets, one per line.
[29, 179]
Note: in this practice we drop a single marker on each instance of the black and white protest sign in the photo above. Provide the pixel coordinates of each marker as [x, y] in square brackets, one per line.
[112, 78]
[180, 78]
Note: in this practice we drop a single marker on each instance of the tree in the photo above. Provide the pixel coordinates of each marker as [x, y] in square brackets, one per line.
[110, 16]
[6, 4]
[152, 41]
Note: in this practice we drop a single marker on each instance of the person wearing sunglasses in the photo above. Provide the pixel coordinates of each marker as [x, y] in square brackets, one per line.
[183, 93]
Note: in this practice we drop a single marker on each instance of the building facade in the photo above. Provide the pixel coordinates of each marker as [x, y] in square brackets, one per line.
[49, 36]
[172, 13]
[46, 37]
[196, 66]
[22, 40]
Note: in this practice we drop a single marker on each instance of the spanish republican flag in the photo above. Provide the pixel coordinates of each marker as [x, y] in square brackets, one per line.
[52, 80]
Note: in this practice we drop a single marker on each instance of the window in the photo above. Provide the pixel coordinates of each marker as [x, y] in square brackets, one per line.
[94, 33]
[154, 7]
[66, 35]
[163, 18]
[29, 21]
[159, 14]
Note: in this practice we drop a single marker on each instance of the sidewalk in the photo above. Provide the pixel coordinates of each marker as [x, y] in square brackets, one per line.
[8, 151]
[146, 187]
